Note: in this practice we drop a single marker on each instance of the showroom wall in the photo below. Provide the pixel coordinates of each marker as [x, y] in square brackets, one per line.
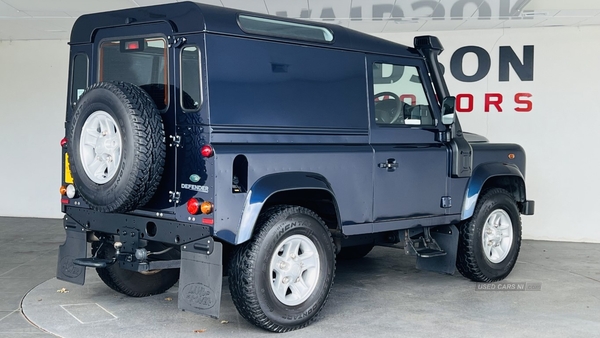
[548, 106]
[33, 82]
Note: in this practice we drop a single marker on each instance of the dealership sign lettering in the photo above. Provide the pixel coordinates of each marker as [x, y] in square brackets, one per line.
[507, 59]
[491, 102]
[405, 11]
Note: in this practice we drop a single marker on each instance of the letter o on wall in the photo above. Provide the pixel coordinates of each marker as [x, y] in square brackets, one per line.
[483, 64]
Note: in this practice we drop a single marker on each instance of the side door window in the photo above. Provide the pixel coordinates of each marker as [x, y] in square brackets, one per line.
[399, 96]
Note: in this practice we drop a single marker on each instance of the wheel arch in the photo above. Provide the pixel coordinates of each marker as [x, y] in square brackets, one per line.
[493, 175]
[309, 190]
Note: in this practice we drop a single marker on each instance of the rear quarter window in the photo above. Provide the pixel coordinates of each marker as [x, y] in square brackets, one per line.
[79, 76]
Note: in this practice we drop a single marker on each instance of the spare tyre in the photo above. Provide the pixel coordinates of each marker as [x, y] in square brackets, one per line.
[116, 147]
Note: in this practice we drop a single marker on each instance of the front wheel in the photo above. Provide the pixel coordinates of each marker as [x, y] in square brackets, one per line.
[490, 241]
[281, 278]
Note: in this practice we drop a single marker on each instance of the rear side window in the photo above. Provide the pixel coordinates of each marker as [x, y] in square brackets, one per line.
[141, 61]
[79, 77]
[191, 87]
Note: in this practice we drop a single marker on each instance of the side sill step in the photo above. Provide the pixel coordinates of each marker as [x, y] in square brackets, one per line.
[424, 246]
[93, 262]
[428, 253]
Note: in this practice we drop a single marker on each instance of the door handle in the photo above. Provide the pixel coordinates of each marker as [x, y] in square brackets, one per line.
[390, 165]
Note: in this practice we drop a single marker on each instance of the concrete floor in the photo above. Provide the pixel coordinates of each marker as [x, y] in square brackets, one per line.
[379, 295]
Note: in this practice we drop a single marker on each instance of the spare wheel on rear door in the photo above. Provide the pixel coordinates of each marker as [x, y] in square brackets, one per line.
[116, 147]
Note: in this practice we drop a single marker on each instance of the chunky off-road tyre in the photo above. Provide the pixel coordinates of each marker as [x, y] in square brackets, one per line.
[132, 283]
[281, 278]
[116, 147]
[354, 252]
[490, 241]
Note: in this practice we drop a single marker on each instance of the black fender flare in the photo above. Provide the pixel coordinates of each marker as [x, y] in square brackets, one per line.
[267, 186]
[481, 174]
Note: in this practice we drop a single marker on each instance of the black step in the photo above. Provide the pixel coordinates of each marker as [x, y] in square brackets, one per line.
[428, 252]
[423, 246]
[93, 262]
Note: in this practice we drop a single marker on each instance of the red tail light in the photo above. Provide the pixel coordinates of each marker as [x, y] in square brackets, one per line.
[63, 142]
[207, 151]
[193, 206]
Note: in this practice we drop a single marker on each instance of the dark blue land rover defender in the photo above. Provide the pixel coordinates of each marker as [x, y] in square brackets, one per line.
[200, 137]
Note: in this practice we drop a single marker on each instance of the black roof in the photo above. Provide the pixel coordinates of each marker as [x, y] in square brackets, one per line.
[191, 17]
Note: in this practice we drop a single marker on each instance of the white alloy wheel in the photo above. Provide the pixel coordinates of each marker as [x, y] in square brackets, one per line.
[100, 147]
[497, 236]
[295, 269]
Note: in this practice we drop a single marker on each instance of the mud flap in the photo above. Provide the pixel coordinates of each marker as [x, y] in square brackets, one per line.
[201, 277]
[75, 246]
[447, 238]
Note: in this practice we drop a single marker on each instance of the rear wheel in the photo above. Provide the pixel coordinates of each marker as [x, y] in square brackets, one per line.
[133, 283]
[281, 278]
[490, 241]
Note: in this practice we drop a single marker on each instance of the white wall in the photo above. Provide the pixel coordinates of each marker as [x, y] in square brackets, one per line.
[559, 134]
[33, 82]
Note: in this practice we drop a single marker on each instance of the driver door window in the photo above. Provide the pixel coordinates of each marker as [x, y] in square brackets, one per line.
[399, 96]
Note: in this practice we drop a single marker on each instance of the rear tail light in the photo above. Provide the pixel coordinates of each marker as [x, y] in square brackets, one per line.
[63, 142]
[193, 206]
[71, 191]
[207, 151]
[206, 207]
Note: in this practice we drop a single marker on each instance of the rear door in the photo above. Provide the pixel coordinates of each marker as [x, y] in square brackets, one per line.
[411, 166]
[142, 55]
[195, 173]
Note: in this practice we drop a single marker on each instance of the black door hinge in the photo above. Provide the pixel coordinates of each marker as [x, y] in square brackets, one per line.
[176, 42]
[176, 141]
[174, 196]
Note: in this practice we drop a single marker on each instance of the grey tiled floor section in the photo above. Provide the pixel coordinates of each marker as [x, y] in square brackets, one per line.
[28, 251]
[382, 295]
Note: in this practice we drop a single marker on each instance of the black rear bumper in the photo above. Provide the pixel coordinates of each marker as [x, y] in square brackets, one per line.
[141, 227]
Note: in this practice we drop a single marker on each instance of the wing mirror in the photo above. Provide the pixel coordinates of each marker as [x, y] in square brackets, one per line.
[448, 110]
